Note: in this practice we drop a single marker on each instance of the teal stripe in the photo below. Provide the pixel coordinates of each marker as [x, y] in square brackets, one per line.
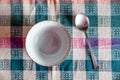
[41, 14]
[4, 64]
[91, 75]
[115, 66]
[79, 65]
[66, 14]
[115, 21]
[66, 67]
[66, 20]
[105, 65]
[17, 15]
[92, 11]
[115, 75]
[104, 21]
[115, 40]
[16, 40]
[5, 20]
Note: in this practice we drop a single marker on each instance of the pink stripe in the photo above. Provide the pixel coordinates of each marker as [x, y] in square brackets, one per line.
[28, 1]
[4, 1]
[78, 43]
[104, 1]
[4, 42]
[104, 43]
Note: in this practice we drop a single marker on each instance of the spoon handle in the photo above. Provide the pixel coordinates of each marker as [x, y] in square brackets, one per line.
[94, 61]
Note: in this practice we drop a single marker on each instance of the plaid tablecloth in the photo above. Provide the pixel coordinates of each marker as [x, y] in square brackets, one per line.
[18, 16]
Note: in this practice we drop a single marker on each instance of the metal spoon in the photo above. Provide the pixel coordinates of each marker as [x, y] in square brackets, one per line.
[82, 23]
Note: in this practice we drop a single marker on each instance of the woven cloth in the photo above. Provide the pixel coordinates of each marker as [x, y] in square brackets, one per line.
[18, 16]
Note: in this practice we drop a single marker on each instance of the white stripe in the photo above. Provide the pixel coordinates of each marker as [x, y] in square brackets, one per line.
[79, 75]
[5, 9]
[105, 75]
[78, 8]
[5, 53]
[29, 14]
[49, 73]
[104, 32]
[104, 54]
[5, 75]
[28, 9]
[25, 55]
[79, 53]
[104, 43]
[55, 73]
[104, 9]
[29, 75]
[54, 12]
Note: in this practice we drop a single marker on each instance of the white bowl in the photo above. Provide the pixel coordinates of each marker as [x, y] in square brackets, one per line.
[48, 43]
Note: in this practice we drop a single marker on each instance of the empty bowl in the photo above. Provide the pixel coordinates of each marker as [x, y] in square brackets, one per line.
[48, 43]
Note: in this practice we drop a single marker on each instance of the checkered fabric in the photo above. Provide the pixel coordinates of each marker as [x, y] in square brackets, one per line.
[18, 16]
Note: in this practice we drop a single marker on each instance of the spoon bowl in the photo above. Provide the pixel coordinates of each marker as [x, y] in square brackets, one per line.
[82, 21]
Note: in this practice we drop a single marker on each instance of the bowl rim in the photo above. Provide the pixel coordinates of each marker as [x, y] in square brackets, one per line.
[67, 51]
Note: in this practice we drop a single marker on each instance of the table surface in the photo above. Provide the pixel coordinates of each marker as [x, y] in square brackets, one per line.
[18, 16]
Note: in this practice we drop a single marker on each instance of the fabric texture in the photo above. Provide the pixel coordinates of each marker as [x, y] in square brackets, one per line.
[18, 16]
